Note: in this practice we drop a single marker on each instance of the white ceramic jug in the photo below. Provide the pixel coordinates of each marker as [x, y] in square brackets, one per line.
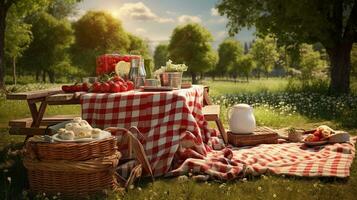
[241, 119]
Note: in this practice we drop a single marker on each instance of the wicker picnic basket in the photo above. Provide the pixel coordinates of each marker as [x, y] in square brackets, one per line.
[91, 172]
[72, 151]
[261, 135]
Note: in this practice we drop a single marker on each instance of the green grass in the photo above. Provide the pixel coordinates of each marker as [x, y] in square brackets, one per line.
[253, 86]
[270, 113]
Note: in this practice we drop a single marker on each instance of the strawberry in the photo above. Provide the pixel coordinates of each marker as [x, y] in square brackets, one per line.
[77, 88]
[96, 87]
[85, 87]
[130, 85]
[104, 87]
[118, 79]
[123, 87]
[65, 88]
[115, 87]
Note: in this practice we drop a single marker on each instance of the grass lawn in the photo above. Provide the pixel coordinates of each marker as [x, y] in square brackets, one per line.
[269, 111]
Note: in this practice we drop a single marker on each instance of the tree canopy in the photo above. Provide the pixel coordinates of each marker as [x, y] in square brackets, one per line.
[228, 52]
[52, 37]
[329, 22]
[97, 33]
[160, 55]
[191, 44]
[265, 54]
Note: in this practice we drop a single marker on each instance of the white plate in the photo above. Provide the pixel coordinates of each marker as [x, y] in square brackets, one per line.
[103, 135]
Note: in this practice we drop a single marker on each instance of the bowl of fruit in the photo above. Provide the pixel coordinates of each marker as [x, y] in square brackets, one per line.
[319, 136]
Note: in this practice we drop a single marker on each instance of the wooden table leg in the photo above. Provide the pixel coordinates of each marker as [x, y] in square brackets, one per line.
[41, 111]
[37, 115]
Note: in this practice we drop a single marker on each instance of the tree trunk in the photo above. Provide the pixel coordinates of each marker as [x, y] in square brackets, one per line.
[14, 78]
[194, 78]
[44, 76]
[37, 75]
[340, 60]
[51, 76]
[3, 12]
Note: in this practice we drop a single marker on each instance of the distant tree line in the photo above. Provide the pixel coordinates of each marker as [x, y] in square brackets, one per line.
[41, 41]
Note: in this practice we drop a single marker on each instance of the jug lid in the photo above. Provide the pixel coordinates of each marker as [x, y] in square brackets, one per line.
[242, 106]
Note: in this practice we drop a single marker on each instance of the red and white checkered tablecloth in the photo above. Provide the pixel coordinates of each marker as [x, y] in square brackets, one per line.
[295, 159]
[178, 140]
[168, 120]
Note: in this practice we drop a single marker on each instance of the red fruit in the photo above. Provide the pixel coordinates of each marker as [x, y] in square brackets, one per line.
[118, 79]
[96, 87]
[65, 88]
[104, 87]
[123, 87]
[318, 133]
[315, 139]
[130, 85]
[115, 87]
[85, 87]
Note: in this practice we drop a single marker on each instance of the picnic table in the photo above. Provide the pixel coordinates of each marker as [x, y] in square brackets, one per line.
[37, 123]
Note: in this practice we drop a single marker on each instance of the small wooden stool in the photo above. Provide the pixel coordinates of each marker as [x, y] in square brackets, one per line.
[211, 113]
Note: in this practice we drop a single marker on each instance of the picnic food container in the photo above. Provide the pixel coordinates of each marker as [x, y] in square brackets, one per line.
[106, 63]
[241, 119]
[72, 169]
[171, 79]
[261, 135]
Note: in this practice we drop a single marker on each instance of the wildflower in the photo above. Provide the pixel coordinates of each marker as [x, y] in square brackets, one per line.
[259, 188]
[139, 188]
[244, 180]
[131, 187]
[274, 195]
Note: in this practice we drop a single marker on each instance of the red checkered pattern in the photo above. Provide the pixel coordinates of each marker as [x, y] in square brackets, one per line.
[177, 139]
[170, 121]
[294, 159]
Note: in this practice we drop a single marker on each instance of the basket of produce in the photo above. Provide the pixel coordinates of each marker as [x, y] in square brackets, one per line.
[323, 135]
[78, 160]
[74, 140]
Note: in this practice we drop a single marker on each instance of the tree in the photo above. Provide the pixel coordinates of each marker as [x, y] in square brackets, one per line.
[97, 33]
[310, 61]
[354, 60]
[139, 46]
[161, 55]
[24, 7]
[51, 41]
[330, 22]
[228, 52]
[245, 65]
[191, 44]
[265, 54]
[17, 39]
[61, 9]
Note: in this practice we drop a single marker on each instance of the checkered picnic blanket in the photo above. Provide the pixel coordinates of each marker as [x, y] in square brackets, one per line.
[177, 139]
[296, 159]
[169, 121]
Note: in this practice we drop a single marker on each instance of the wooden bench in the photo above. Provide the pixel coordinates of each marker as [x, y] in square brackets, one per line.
[37, 124]
[211, 113]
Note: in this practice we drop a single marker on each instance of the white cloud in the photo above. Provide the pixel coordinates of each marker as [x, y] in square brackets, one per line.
[183, 19]
[140, 31]
[221, 35]
[139, 11]
[214, 12]
[171, 12]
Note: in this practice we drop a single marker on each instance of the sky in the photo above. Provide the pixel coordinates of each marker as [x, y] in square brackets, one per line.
[155, 20]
